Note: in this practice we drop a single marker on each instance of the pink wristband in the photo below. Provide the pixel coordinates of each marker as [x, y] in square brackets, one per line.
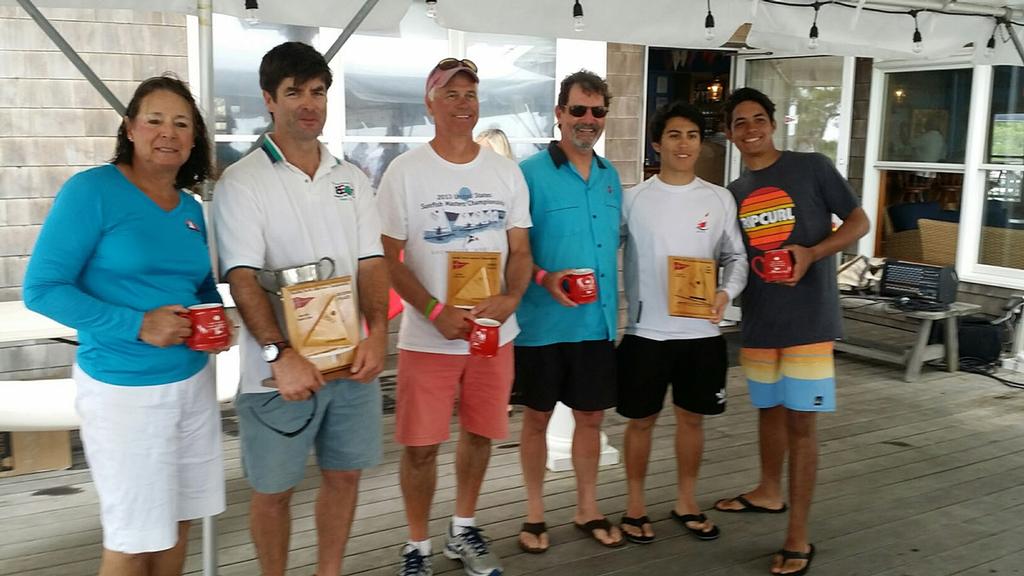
[539, 276]
[438, 308]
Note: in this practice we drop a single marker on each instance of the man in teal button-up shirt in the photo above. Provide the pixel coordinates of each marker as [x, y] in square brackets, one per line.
[566, 351]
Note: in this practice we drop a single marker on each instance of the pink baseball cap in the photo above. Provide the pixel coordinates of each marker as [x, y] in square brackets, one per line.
[447, 69]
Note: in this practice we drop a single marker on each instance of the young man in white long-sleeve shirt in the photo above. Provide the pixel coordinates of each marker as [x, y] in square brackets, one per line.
[674, 214]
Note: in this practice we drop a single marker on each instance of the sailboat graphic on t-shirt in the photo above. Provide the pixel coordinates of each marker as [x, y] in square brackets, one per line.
[462, 219]
[438, 228]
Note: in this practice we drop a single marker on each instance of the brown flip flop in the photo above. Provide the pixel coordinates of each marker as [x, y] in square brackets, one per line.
[636, 523]
[535, 528]
[599, 524]
[794, 555]
[748, 506]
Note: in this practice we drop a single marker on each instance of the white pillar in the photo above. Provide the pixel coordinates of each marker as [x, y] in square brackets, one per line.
[204, 9]
[559, 437]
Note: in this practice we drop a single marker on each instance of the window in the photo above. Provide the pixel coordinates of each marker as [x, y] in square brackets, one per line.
[376, 109]
[925, 116]
[1006, 123]
[240, 115]
[1001, 241]
[806, 92]
[517, 84]
[384, 93]
[375, 157]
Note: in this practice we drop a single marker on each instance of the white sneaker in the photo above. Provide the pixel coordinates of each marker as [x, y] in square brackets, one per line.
[414, 563]
[471, 548]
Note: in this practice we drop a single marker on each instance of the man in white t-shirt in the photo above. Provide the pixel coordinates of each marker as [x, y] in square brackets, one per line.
[287, 204]
[445, 197]
[674, 213]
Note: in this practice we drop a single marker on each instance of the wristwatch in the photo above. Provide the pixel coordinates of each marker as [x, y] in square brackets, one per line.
[271, 352]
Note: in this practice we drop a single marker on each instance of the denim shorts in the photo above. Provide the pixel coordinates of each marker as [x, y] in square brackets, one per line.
[342, 422]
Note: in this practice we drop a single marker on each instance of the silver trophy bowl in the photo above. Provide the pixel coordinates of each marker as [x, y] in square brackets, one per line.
[274, 280]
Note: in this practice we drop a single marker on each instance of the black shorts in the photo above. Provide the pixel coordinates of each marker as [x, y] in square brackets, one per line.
[696, 368]
[580, 375]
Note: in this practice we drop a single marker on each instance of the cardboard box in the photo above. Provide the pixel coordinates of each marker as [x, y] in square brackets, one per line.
[691, 286]
[27, 452]
[322, 320]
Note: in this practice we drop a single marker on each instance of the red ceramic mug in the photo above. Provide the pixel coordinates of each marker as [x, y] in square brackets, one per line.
[774, 265]
[484, 337]
[210, 329]
[580, 285]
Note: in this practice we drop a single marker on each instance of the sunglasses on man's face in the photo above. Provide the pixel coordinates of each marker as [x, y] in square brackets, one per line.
[579, 110]
[449, 63]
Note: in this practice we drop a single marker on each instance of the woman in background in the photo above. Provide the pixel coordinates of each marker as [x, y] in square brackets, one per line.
[495, 139]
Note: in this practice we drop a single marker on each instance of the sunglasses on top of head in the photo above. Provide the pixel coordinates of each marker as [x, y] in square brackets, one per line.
[449, 63]
[579, 110]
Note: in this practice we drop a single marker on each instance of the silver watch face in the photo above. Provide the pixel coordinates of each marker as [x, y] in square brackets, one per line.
[271, 352]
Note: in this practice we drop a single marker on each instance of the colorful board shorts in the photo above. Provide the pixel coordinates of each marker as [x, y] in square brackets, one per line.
[801, 378]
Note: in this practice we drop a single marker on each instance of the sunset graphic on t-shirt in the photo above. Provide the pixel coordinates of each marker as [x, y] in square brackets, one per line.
[767, 217]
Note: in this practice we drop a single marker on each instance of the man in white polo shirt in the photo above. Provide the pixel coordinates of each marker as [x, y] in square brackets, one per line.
[445, 197]
[287, 204]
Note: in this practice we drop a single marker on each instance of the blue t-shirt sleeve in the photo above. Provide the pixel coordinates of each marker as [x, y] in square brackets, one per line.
[66, 244]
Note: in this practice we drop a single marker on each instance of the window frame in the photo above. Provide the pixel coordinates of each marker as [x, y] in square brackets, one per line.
[974, 168]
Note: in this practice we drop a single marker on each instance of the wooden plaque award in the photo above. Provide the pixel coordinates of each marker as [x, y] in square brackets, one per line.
[691, 286]
[322, 320]
[472, 277]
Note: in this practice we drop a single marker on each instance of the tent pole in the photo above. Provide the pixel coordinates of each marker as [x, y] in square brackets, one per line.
[350, 29]
[1013, 36]
[73, 56]
[204, 13]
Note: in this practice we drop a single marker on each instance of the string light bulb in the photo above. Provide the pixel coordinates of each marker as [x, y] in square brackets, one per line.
[709, 24]
[918, 40]
[251, 8]
[577, 17]
[990, 46]
[432, 8]
[812, 37]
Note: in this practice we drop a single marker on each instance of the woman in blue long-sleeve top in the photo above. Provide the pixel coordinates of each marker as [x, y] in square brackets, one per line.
[121, 255]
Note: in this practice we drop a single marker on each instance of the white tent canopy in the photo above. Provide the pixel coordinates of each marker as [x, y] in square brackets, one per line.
[845, 28]
[384, 17]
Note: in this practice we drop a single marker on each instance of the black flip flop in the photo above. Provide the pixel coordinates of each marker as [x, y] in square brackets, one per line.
[535, 528]
[636, 523]
[599, 524]
[794, 555]
[700, 534]
[748, 506]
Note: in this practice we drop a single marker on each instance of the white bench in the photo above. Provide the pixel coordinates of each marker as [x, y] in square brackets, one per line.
[37, 405]
[34, 405]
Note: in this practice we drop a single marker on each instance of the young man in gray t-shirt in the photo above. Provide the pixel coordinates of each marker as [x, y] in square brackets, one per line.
[786, 200]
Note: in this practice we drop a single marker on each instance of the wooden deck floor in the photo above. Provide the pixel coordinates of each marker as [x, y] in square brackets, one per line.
[923, 479]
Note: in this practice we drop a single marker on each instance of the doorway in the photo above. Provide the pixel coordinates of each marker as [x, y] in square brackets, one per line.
[813, 98]
[700, 77]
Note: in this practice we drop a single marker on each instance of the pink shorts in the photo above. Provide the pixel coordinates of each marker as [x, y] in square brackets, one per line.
[427, 384]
